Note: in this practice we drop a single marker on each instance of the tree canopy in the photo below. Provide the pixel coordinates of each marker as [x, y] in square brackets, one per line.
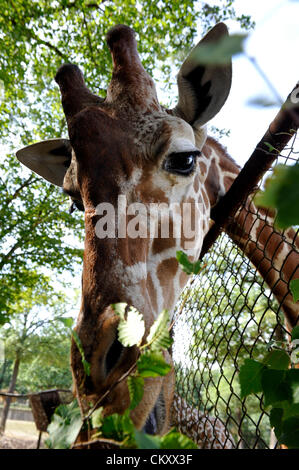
[39, 36]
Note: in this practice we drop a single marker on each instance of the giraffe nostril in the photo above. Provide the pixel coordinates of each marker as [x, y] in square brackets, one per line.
[113, 355]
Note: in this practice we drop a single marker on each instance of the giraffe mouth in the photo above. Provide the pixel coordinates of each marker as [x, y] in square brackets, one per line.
[109, 359]
[114, 356]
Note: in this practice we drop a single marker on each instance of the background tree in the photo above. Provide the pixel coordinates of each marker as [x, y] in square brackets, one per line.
[36, 336]
[51, 368]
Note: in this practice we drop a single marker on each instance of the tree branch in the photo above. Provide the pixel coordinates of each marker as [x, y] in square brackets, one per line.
[96, 441]
[26, 183]
[30, 34]
[89, 40]
[47, 43]
[6, 257]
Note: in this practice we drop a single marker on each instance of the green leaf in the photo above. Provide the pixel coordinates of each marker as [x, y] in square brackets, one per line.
[97, 418]
[159, 337]
[117, 426]
[152, 364]
[275, 387]
[146, 441]
[136, 389]
[67, 321]
[290, 410]
[65, 426]
[290, 433]
[262, 101]
[250, 377]
[220, 52]
[120, 309]
[292, 379]
[3, 319]
[294, 288]
[277, 359]
[276, 415]
[176, 440]
[295, 345]
[131, 329]
[86, 364]
[295, 333]
[270, 147]
[187, 266]
[282, 193]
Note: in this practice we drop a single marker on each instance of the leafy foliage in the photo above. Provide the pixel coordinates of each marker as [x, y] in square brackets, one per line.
[64, 427]
[69, 322]
[135, 385]
[221, 52]
[47, 34]
[146, 441]
[280, 387]
[85, 363]
[158, 337]
[131, 329]
[176, 440]
[171, 440]
[262, 101]
[151, 363]
[35, 227]
[36, 343]
[282, 193]
[250, 377]
[294, 288]
[187, 266]
[295, 333]
[34, 323]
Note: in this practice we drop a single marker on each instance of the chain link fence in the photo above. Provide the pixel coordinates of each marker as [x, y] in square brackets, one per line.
[227, 314]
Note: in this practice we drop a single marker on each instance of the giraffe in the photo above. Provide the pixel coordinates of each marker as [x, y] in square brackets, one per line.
[273, 253]
[208, 432]
[129, 145]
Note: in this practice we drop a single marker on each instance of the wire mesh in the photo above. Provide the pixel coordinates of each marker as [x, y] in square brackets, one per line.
[226, 314]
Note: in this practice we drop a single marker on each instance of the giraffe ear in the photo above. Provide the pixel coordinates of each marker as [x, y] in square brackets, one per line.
[49, 159]
[203, 89]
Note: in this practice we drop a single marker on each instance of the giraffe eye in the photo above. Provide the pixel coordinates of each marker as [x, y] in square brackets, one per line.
[182, 163]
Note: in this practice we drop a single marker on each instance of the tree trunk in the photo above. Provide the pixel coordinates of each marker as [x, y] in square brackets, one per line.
[5, 364]
[8, 399]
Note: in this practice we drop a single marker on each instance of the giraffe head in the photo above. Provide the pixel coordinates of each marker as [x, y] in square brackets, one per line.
[125, 156]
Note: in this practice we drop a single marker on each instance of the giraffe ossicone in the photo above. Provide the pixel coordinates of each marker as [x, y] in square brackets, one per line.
[128, 147]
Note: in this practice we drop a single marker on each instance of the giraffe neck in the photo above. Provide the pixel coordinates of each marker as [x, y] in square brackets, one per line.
[275, 254]
[166, 280]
